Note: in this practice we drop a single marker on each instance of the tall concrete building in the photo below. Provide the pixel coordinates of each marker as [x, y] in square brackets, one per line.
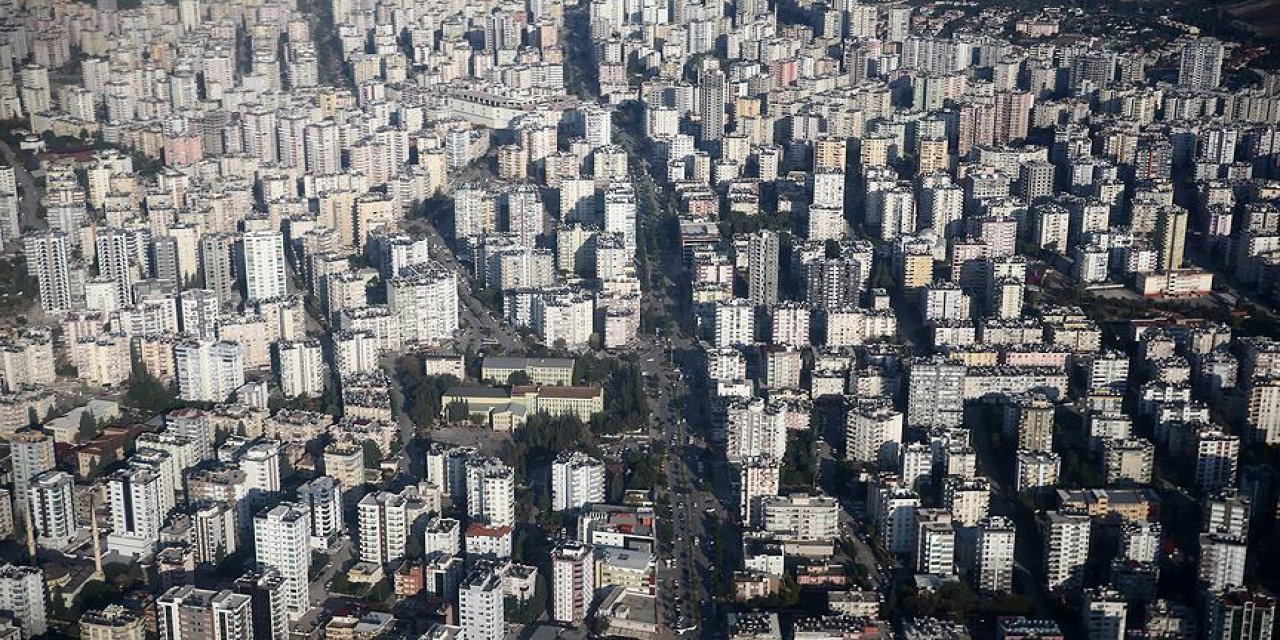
[208, 371]
[759, 480]
[481, 606]
[1222, 561]
[1104, 614]
[282, 537]
[299, 366]
[1066, 548]
[713, 90]
[1200, 64]
[873, 432]
[573, 574]
[935, 394]
[31, 453]
[1171, 236]
[577, 480]
[386, 522]
[762, 267]
[491, 492]
[136, 515]
[993, 559]
[117, 259]
[1240, 614]
[48, 255]
[52, 508]
[262, 258]
[322, 497]
[22, 596]
[187, 613]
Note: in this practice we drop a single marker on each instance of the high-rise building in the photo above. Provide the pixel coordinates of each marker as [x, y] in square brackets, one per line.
[1171, 236]
[481, 605]
[321, 142]
[136, 516]
[218, 265]
[267, 603]
[386, 522]
[262, 258]
[490, 492]
[215, 535]
[873, 432]
[323, 498]
[759, 480]
[198, 313]
[620, 213]
[188, 613]
[936, 547]
[1066, 548]
[754, 427]
[1240, 615]
[208, 371]
[22, 596]
[282, 539]
[573, 574]
[53, 514]
[113, 622]
[118, 261]
[993, 558]
[762, 267]
[935, 395]
[424, 298]
[30, 453]
[1217, 455]
[1200, 64]
[577, 480]
[300, 368]
[48, 256]
[713, 91]
[735, 323]
[1104, 614]
[1222, 561]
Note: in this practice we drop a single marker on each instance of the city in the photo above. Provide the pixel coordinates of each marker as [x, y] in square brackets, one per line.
[646, 319]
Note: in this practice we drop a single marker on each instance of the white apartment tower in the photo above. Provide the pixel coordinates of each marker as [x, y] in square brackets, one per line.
[577, 480]
[993, 560]
[753, 428]
[1200, 64]
[1066, 548]
[322, 497]
[48, 257]
[491, 492]
[481, 606]
[136, 515]
[873, 433]
[1105, 611]
[264, 266]
[53, 514]
[300, 368]
[208, 371]
[282, 537]
[573, 575]
[30, 453]
[22, 595]
[425, 299]
[760, 477]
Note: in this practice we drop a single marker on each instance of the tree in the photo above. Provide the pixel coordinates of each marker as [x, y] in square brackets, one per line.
[799, 464]
[372, 454]
[88, 428]
[147, 394]
[519, 379]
